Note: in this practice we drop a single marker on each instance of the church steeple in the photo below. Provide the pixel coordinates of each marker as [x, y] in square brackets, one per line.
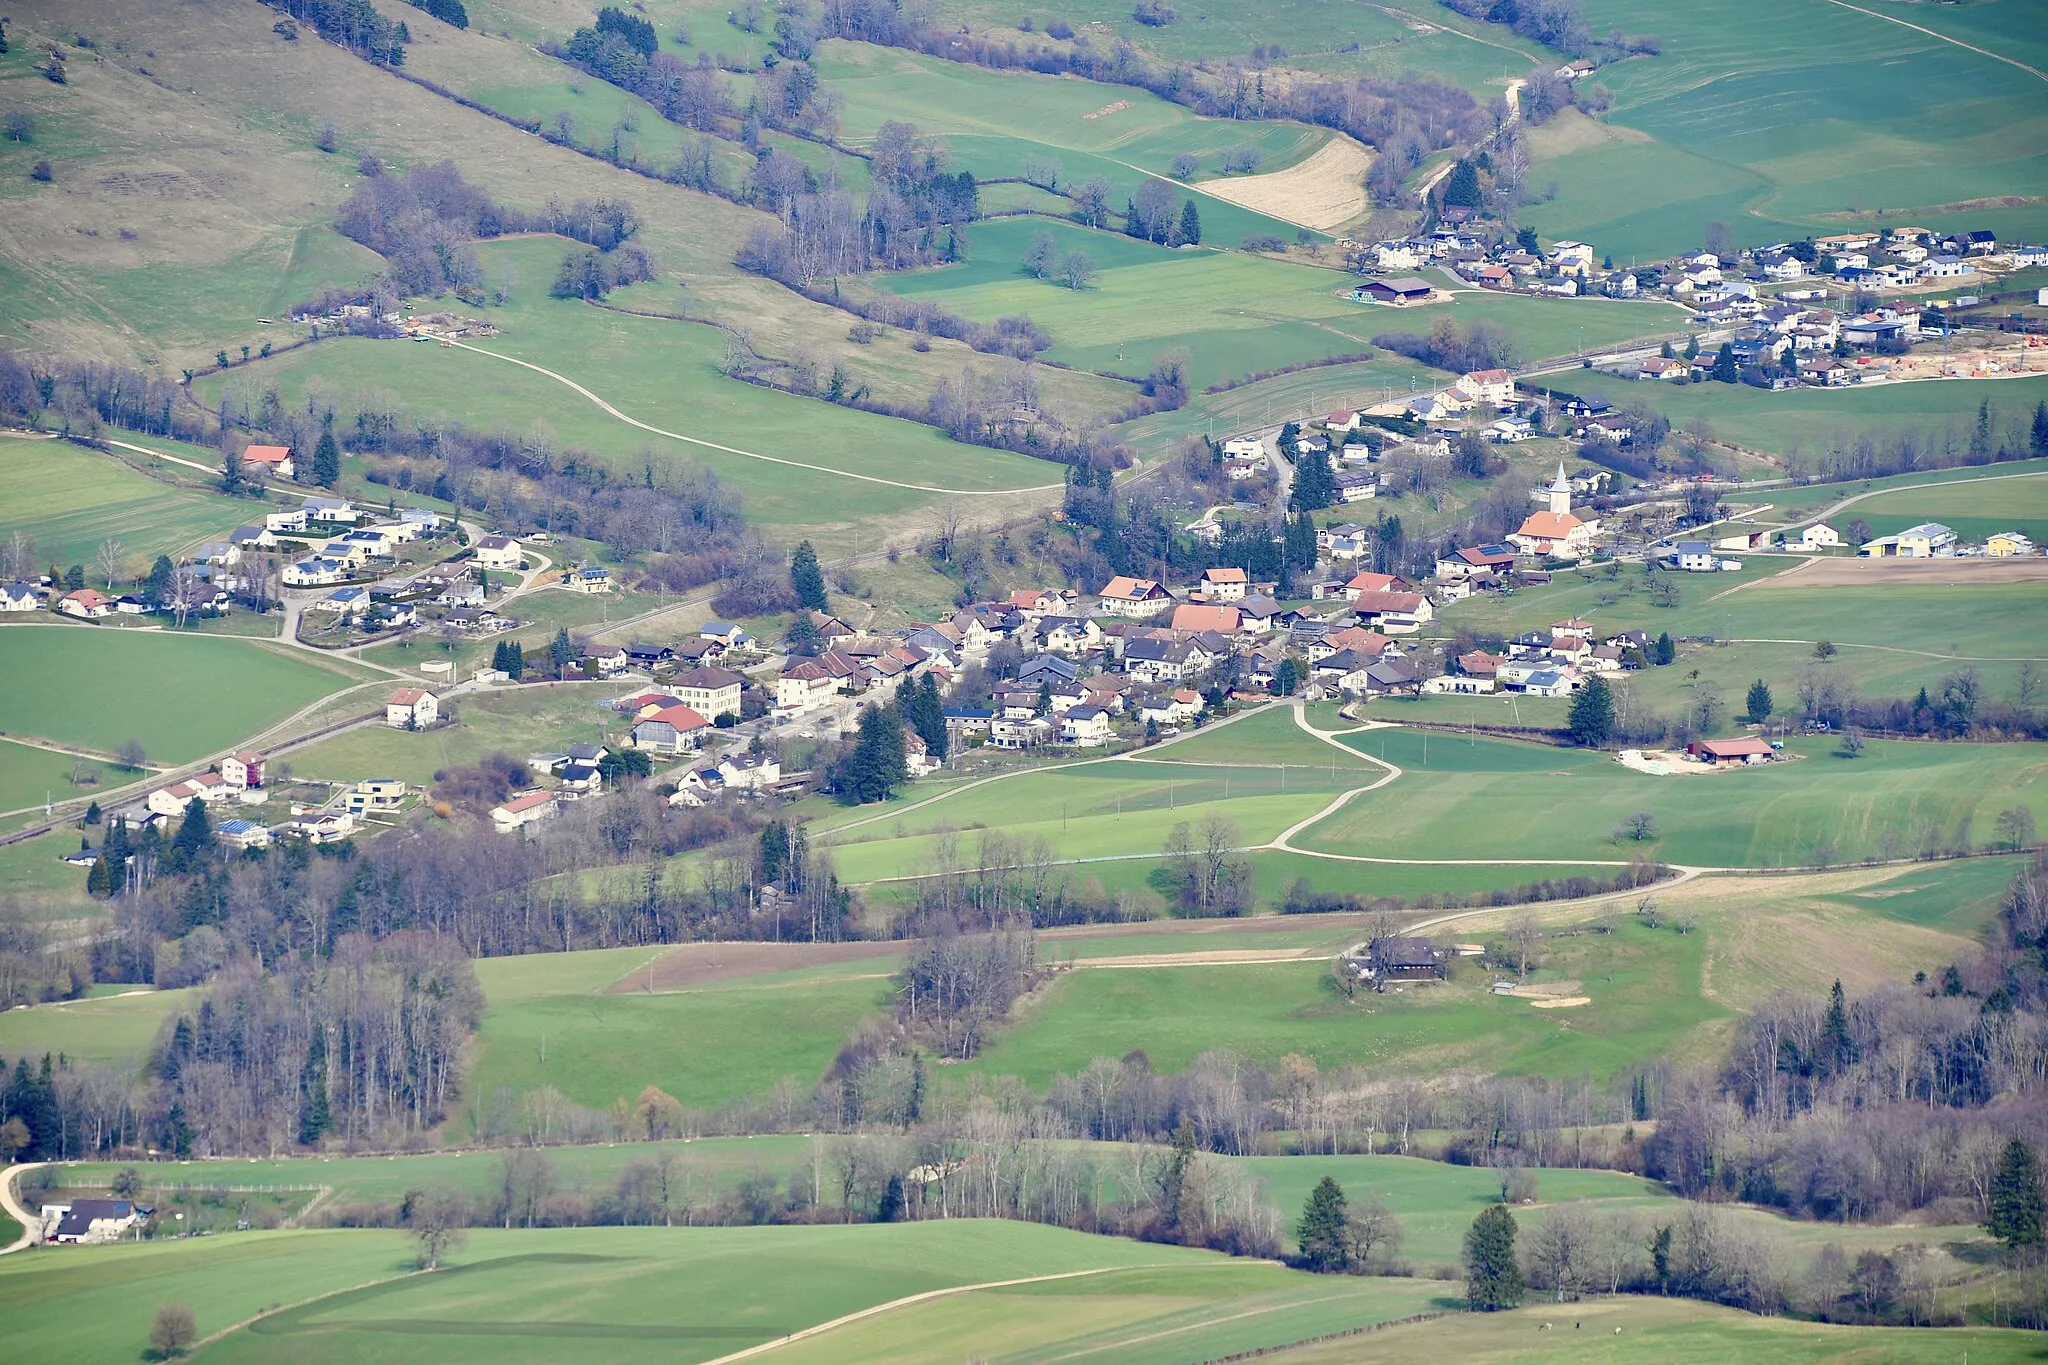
[1560, 492]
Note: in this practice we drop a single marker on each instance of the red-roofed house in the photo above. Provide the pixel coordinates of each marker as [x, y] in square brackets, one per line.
[1747, 750]
[242, 771]
[271, 460]
[521, 811]
[1493, 387]
[1394, 613]
[671, 730]
[87, 603]
[1374, 582]
[1198, 618]
[1127, 596]
[412, 708]
[1224, 585]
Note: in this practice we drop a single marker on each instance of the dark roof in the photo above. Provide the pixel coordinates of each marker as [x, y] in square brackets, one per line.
[78, 1219]
[1398, 953]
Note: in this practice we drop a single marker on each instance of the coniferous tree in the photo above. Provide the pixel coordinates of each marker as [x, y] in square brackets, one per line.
[1760, 703]
[1314, 485]
[1493, 1278]
[1666, 651]
[1591, 721]
[806, 578]
[2039, 438]
[1835, 1046]
[157, 586]
[327, 456]
[2016, 1202]
[315, 1115]
[560, 651]
[195, 832]
[774, 852]
[1321, 1230]
[1190, 223]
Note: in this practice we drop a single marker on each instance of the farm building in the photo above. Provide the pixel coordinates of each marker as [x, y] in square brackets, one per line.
[1925, 541]
[1746, 750]
[90, 1220]
[670, 730]
[1403, 959]
[1401, 292]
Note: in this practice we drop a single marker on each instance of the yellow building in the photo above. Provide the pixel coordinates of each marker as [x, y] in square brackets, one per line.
[2006, 544]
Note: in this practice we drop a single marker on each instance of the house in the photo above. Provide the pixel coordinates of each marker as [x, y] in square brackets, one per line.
[1945, 268]
[1476, 559]
[1034, 604]
[1746, 750]
[1164, 660]
[1695, 556]
[610, 659]
[1401, 292]
[20, 597]
[1248, 448]
[90, 1221]
[288, 523]
[1069, 635]
[1007, 732]
[412, 708]
[1138, 597]
[671, 730]
[578, 780]
[1227, 620]
[374, 794]
[1555, 531]
[497, 552]
[711, 692]
[522, 811]
[1819, 536]
[322, 827]
[1509, 430]
[1085, 726]
[1925, 541]
[316, 572]
[268, 461]
[1549, 682]
[87, 603]
[338, 511]
[649, 655]
[590, 580]
[1356, 485]
[171, 801]
[750, 772]
[243, 834]
[347, 603]
[969, 720]
[1403, 959]
[804, 683]
[2005, 544]
[242, 771]
[1394, 613]
[1344, 671]
[1225, 584]
[1496, 388]
[1658, 367]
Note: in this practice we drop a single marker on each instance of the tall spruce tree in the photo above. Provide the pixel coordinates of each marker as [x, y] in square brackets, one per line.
[2016, 1202]
[327, 455]
[806, 577]
[1190, 223]
[1493, 1278]
[1321, 1229]
[1591, 720]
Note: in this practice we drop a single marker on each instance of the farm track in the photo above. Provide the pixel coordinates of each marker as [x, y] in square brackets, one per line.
[2034, 71]
[9, 1202]
[750, 454]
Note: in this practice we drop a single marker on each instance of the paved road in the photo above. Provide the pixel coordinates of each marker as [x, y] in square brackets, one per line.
[30, 1224]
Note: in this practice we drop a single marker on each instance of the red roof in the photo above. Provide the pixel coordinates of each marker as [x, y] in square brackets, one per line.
[1731, 748]
[1388, 601]
[266, 454]
[681, 717]
[1206, 618]
[409, 696]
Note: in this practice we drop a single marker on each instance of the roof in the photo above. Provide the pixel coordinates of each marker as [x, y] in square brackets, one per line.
[1206, 618]
[1371, 582]
[80, 1215]
[238, 826]
[682, 718]
[1407, 284]
[1405, 952]
[1491, 376]
[708, 678]
[1388, 601]
[87, 597]
[266, 454]
[1223, 575]
[1733, 748]
[496, 543]
[1550, 525]
[1131, 589]
[1487, 554]
[1694, 547]
[519, 805]
[409, 696]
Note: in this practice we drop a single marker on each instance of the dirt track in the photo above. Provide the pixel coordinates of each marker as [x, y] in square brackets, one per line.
[1322, 192]
[1876, 573]
[696, 964]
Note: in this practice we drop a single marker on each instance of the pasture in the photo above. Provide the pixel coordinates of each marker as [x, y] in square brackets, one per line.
[1498, 799]
[116, 1030]
[1800, 426]
[664, 373]
[1973, 509]
[28, 774]
[78, 686]
[69, 500]
[1784, 122]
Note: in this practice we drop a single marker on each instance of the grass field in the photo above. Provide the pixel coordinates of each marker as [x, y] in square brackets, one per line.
[70, 500]
[1779, 122]
[519, 722]
[1605, 1331]
[28, 774]
[663, 373]
[542, 614]
[116, 1030]
[1973, 509]
[1481, 799]
[1801, 425]
[77, 685]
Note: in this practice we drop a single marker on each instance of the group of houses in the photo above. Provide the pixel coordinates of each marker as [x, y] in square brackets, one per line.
[236, 784]
[1564, 269]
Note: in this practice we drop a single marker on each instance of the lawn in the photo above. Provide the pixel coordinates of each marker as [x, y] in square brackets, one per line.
[1803, 425]
[619, 1293]
[77, 685]
[113, 1030]
[1627, 1331]
[70, 500]
[518, 721]
[28, 774]
[1797, 504]
[1644, 986]
[1498, 799]
[1972, 509]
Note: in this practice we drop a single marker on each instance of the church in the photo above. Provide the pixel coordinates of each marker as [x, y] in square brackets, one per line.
[1556, 532]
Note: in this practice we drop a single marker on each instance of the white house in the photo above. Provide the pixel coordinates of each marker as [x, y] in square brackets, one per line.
[1138, 597]
[88, 604]
[1696, 556]
[1925, 541]
[591, 580]
[1225, 584]
[268, 461]
[497, 552]
[411, 708]
[1247, 448]
[19, 597]
[1819, 536]
[1085, 726]
[314, 573]
[522, 811]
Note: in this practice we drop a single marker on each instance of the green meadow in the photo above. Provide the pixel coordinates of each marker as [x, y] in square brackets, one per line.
[69, 500]
[518, 721]
[29, 773]
[1973, 510]
[1495, 799]
[84, 686]
[1802, 425]
[116, 1030]
[1780, 122]
[664, 373]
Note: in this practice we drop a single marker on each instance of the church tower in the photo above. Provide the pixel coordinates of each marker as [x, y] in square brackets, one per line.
[1560, 493]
